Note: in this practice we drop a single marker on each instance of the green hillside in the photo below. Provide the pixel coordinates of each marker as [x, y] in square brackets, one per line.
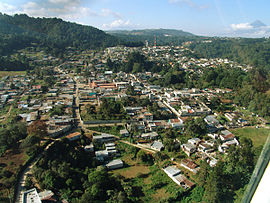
[53, 34]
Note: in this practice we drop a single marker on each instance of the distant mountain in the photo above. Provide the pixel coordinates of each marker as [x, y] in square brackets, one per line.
[152, 32]
[52, 34]
[257, 24]
[162, 36]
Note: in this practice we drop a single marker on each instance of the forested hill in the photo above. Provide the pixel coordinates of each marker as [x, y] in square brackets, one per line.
[162, 36]
[254, 52]
[52, 34]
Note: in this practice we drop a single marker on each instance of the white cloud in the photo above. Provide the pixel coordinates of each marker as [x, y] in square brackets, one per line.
[73, 13]
[7, 8]
[66, 9]
[107, 12]
[71, 10]
[189, 3]
[241, 26]
[119, 24]
[34, 9]
[64, 3]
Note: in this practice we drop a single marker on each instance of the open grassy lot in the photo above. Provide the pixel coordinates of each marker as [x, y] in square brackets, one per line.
[257, 135]
[11, 73]
[149, 183]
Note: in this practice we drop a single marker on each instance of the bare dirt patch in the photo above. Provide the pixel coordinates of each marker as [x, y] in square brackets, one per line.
[160, 194]
[13, 159]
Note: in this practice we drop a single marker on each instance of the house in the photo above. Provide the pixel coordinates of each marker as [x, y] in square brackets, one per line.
[176, 123]
[183, 181]
[212, 135]
[190, 165]
[188, 148]
[114, 164]
[226, 136]
[151, 135]
[157, 145]
[213, 124]
[124, 133]
[89, 148]
[213, 162]
[101, 155]
[203, 147]
[73, 136]
[211, 120]
[172, 171]
[110, 144]
[46, 195]
[148, 116]
[103, 138]
[194, 141]
[230, 116]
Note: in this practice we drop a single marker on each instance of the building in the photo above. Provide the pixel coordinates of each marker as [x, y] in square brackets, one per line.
[114, 164]
[188, 148]
[73, 136]
[89, 148]
[190, 165]
[176, 123]
[151, 135]
[174, 173]
[124, 133]
[148, 116]
[101, 155]
[194, 141]
[157, 145]
[31, 196]
[46, 195]
[103, 138]
[226, 136]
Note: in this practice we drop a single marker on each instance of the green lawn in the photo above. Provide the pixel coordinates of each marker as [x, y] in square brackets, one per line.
[257, 135]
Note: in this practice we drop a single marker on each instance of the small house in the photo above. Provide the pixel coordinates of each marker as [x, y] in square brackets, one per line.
[190, 165]
[89, 148]
[124, 133]
[194, 141]
[157, 145]
[188, 148]
[114, 164]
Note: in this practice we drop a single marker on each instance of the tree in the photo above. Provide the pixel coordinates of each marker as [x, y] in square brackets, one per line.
[130, 90]
[203, 173]
[212, 190]
[195, 127]
[143, 157]
[38, 128]
[30, 141]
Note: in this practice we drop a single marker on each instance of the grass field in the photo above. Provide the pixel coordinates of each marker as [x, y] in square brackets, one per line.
[11, 73]
[257, 135]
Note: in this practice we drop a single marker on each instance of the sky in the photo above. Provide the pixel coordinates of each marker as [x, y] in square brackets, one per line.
[200, 17]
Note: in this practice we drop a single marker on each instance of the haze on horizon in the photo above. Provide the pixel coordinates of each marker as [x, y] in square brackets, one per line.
[200, 17]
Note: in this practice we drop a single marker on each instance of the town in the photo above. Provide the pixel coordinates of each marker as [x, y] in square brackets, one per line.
[83, 100]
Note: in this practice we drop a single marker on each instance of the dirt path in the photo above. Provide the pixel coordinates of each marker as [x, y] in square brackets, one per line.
[8, 113]
[138, 146]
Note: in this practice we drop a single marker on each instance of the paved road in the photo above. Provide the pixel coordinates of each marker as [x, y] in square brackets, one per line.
[27, 171]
